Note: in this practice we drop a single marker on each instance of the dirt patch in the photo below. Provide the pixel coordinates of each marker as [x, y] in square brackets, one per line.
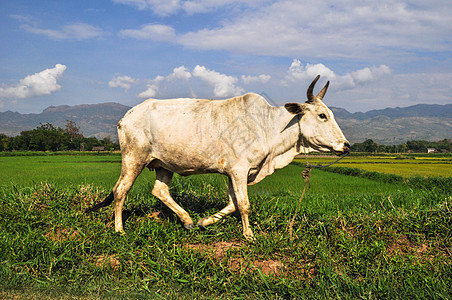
[220, 251]
[402, 245]
[86, 196]
[105, 261]
[420, 251]
[61, 234]
[150, 216]
[267, 267]
[350, 231]
[42, 193]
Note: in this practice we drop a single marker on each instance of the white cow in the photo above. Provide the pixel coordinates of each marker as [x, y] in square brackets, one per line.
[243, 138]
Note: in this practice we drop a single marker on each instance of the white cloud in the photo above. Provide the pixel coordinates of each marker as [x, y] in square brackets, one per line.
[192, 7]
[345, 29]
[224, 85]
[77, 31]
[170, 7]
[180, 73]
[154, 32]
[297, 72]
[159, 7]
[154, 85]
[124, 82]
[181, 82]
[42, 83]
[375, 31]
[370, 74]
[23, 19]
[263, 78]
[150, 92]
[152, 88]
[204, 6]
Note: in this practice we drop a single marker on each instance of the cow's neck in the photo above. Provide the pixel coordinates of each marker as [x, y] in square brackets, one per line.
[287, 135]
[283, 143]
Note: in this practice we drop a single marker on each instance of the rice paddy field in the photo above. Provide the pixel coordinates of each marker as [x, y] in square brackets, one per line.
[368, 227]
[403, 165]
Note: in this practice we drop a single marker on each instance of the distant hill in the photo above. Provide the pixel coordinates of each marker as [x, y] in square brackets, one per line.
[97, 120]
[430, 122]
[419, 110]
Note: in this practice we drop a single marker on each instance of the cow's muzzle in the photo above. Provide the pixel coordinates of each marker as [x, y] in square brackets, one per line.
[345, 149]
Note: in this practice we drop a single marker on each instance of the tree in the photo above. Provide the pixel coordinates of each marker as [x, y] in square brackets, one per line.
[73, 130]
[370, 146]
[403, 148]
[45, 137]
[417, 146]
[366, 146]
[73, 136]
[445, 145]
[5, 142]
[22, 141]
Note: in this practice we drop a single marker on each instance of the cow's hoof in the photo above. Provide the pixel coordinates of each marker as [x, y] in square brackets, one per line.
[120, 232]
[249, 236]
[189, 226]
[201, 223]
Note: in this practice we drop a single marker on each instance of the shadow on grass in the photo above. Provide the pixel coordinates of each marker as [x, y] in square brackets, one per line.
[196, 206]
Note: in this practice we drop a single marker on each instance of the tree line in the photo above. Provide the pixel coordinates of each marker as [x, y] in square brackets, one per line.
[443, 146]
[47, 137]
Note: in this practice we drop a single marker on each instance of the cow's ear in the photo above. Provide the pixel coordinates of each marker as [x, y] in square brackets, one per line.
[294, 108]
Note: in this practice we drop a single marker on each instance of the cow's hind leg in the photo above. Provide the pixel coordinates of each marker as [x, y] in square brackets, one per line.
[129, 173]
[161, 190]
[230, 208]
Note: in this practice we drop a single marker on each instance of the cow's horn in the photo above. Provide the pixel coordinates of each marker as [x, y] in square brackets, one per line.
[323, 91]
[310, 94]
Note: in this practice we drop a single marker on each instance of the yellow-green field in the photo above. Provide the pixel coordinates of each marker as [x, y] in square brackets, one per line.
[407, 167]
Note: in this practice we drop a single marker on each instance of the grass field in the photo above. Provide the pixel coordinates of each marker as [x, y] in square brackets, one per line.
[354, 237]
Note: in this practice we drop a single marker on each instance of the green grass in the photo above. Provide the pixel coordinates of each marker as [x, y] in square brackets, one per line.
[353, 237]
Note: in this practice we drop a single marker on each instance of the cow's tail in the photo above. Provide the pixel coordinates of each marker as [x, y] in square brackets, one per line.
[107, 201]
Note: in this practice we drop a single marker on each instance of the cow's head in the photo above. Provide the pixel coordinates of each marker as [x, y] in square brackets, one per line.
[317, 124]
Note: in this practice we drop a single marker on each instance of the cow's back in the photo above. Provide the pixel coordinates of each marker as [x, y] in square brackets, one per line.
[194, 135]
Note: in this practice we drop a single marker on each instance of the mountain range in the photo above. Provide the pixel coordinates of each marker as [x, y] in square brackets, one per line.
[430, 122]
[97, 120]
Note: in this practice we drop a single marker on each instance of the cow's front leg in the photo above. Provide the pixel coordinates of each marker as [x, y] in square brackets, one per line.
[230, 208]
[240, 189]
[161, 191]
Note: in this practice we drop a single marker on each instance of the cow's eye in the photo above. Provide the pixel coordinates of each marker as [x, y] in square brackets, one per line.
[322, 116]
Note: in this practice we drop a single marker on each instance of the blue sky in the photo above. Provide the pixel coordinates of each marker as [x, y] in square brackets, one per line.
[376, 54]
